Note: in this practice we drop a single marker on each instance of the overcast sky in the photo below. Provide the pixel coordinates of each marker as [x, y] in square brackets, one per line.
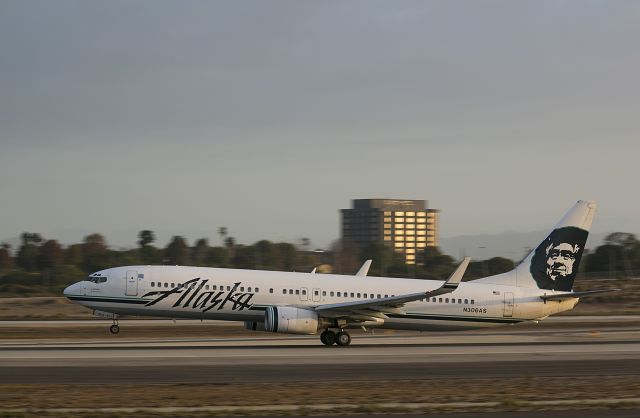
[268, 116]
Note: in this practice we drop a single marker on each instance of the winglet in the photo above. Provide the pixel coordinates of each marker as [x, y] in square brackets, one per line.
[313, 271]
[456, 276]
[364, 269]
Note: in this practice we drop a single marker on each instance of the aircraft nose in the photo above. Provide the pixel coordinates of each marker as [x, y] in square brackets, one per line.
[71, 290]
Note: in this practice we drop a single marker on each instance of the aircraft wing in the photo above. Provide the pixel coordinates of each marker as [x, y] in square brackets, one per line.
[369, 309]
[572, 295]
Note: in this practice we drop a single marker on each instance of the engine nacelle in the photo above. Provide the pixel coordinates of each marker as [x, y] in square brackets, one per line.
[254, 325]
[290, 320]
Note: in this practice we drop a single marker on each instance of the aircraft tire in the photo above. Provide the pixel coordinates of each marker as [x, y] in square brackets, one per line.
[328, 337]
[343, 339]
[114, 329]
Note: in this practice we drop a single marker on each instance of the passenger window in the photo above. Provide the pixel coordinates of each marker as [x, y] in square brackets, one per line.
[248, 289]
[257, 290]
[284, 291]
[304, 292]
[206, 287]
[433, 299]
[358, 294]
[173, 285]
[440, 300]
[473, 301]
[372, 296]
[446, 300]
[315, 292]
[386, 296]
[291, 291]
[459, 300]
[352, 295]
[213, 287]
[324, 293]
[338, 294]
[166, 285]
[345, 294]
[331, 294]
[466, 301]
[153, 284]
[297, 292]
[242, 289]
[229, 288]
[364, 295]
[379, 297]
[271, 290]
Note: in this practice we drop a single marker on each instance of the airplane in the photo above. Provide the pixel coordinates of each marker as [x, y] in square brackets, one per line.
[330, 304]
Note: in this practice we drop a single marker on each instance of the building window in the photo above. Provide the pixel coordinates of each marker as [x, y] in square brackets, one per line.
[410, 250]
[399, 226]
[387, 225]
[399, 213]
[421, 245]
[410, 214]
[410, 220]
[399, 244]
[421, 220]
[399, 238]
[387, 214]
[387, 219]
[399, 220]
[422, 232]
[420, 226]
[411, 257]
[410, 226]
[387, 238]
[410, 232]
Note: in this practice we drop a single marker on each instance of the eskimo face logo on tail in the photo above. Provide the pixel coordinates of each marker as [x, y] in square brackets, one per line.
[555, 262]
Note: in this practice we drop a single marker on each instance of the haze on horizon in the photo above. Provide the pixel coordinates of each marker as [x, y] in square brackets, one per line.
[269, 117]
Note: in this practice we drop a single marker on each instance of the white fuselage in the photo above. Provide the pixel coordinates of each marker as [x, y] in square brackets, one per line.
[242, 295]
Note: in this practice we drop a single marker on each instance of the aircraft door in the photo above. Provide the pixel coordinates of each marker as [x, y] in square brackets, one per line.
[304, 294]
[508, 304]
[316, 295]
[132, 283]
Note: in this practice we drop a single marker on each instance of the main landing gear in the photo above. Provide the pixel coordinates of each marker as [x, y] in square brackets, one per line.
[115, 328]
[341, 338]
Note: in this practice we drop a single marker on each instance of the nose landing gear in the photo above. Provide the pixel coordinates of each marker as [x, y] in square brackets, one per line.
[342, 338]
[115, 328]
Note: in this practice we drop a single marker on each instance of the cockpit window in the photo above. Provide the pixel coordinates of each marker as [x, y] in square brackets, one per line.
[96, 279]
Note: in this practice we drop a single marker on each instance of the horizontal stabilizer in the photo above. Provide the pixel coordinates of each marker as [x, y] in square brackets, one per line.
[573, 295]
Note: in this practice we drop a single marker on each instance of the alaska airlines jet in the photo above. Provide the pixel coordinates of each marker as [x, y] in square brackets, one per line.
[308, 303]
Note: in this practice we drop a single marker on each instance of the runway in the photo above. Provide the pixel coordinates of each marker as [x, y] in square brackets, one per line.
[499, 353]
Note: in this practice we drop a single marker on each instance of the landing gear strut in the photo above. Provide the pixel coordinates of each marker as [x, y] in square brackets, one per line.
[115, 328]
[342, 338]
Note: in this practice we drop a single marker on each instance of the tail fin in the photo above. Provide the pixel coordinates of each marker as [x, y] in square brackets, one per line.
[554, 263]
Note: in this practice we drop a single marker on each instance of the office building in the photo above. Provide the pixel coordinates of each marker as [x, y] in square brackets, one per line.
[407, 226]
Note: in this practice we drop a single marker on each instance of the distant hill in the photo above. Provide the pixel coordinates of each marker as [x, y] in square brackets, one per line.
[510, 244]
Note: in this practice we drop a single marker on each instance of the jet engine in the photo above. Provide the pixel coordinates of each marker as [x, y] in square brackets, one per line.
[290, 320]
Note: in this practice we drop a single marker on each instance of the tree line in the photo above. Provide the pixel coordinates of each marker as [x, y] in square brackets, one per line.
[43, 264]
